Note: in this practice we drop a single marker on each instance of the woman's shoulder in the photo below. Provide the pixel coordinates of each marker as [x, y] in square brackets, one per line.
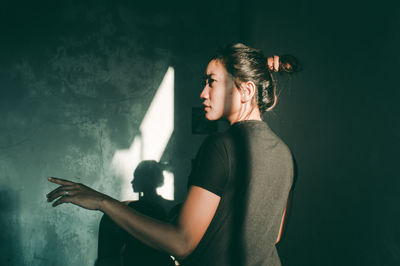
[217, 141]
[216, 137]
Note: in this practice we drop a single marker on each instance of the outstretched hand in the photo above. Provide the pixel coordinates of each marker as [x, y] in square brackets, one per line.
[75, 193]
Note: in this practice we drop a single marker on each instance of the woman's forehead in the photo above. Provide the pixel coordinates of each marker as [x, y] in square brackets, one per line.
[215, 69]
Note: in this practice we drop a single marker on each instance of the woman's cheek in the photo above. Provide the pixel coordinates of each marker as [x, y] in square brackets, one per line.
[213, 114]
[210, 116]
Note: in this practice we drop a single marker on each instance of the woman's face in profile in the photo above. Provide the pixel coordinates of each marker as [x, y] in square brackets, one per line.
[221, 98]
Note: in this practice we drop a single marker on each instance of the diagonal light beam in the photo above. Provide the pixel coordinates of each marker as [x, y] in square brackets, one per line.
[155, 131]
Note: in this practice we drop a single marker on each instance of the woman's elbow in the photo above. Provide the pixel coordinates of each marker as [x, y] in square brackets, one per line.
[184, 249]
[181, 254]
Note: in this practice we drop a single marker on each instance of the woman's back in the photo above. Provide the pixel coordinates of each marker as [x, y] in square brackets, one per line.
[253, 194]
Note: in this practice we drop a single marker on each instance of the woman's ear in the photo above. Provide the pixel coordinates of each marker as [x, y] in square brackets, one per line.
[248, 89]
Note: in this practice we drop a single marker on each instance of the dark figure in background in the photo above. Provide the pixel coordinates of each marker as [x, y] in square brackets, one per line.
[116, 246]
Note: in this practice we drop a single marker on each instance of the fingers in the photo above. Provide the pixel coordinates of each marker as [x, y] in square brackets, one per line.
[61, 190]
[62, 193]
[75, 193]
[60, 181]
[63, 199]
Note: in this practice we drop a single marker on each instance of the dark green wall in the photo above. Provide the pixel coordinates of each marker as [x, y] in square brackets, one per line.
[76, 78]
[340, 116]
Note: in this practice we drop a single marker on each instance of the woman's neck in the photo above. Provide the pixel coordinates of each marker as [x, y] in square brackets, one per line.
[248, 112]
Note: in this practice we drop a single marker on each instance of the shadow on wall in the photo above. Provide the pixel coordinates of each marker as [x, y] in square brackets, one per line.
[10, 240]
[116, 246]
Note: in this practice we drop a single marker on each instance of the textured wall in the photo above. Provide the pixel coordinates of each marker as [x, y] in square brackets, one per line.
[76, 80]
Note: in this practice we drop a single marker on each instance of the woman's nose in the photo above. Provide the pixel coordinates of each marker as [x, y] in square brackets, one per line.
[204, 93]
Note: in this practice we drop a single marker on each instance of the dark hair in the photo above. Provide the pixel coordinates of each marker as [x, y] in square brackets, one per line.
[245, 63]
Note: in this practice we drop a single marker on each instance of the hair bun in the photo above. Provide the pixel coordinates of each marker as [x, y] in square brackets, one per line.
[288, 64]
[284, 63]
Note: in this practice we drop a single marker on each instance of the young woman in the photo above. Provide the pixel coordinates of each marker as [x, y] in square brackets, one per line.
[240, 182]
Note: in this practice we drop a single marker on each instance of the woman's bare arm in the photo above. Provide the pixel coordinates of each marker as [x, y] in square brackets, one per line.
[178, 240]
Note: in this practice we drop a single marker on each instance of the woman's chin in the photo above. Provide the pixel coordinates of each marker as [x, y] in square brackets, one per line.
[211, 117]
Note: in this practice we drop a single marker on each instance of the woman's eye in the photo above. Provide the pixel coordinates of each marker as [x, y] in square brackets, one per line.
[207, 81]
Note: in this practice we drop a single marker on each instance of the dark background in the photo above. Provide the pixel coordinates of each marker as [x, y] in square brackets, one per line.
[76, 78]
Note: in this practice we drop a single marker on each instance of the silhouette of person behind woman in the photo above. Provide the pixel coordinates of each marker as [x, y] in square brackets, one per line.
[116, 246]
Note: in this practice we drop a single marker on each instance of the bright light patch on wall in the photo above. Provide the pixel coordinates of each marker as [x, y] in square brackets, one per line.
[155, 131]
[167, 190]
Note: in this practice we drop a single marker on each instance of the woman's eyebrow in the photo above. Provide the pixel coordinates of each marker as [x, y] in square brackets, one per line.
[208, 76]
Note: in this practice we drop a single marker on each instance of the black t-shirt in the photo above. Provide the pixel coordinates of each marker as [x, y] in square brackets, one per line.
[251, 169]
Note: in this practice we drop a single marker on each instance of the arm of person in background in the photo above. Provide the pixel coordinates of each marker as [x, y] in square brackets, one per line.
[178, 240]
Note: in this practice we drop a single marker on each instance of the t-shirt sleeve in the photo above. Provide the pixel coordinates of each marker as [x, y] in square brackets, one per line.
[210, 168]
